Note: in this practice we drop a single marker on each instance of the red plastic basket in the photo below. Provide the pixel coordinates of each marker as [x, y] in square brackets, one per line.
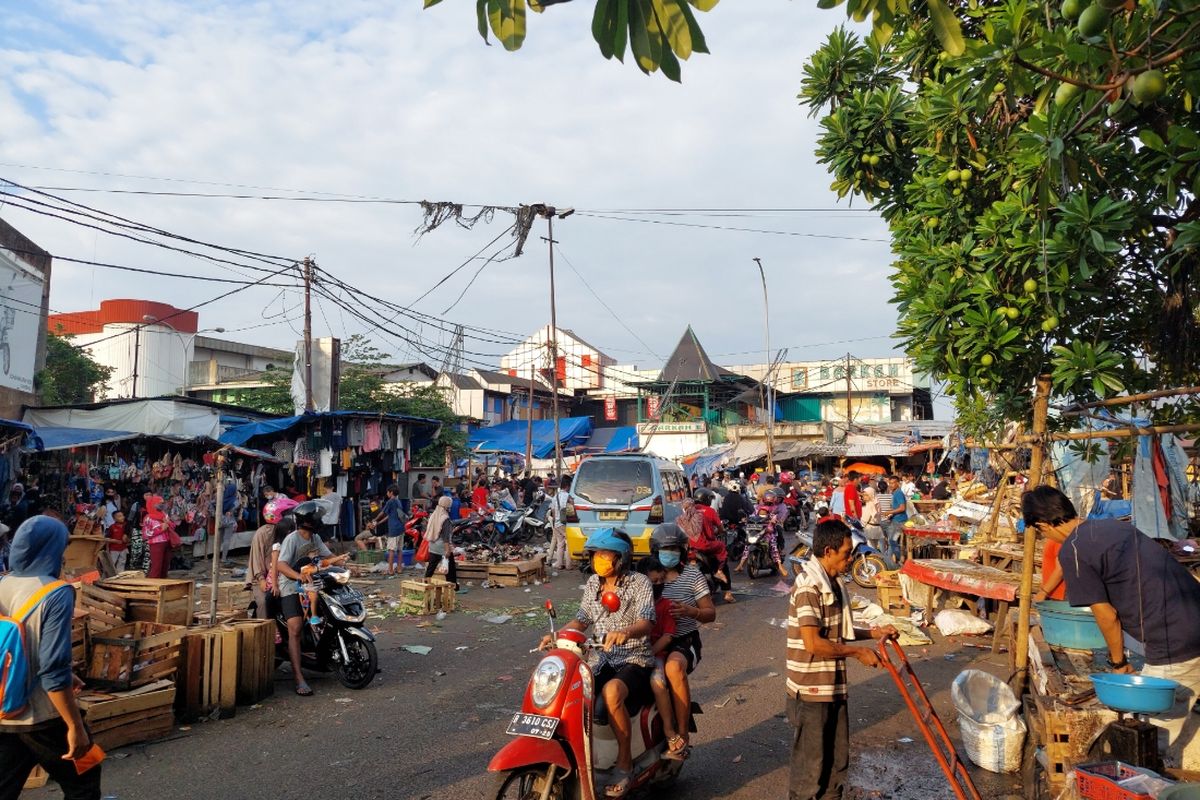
[1099, 781]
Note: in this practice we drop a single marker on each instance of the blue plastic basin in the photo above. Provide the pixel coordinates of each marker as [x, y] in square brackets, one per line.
[1065, 626]
[1136, 694]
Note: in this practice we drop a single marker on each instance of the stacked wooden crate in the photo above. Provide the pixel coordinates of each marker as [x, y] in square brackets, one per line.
[119, 719]
[208, 673]
[105, 610]
[517, 573]
[166, 601]
[426, 597]
[256, 660]
[134, 655]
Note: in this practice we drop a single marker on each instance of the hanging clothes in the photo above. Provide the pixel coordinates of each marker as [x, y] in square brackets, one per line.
[1078, 478]
[371, 437]
[325, 463]
[1156, 512]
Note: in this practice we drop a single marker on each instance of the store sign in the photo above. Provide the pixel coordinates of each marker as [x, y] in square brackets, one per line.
[610, 409]
[20, 319]
[671, 427]
[799, 377]
[653, 407]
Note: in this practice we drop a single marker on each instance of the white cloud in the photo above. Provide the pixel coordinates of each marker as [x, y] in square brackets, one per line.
[383, 99]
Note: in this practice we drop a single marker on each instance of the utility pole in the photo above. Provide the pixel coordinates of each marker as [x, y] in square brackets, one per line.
[770, 399]
[550, 212]
[529, 415]
[216, 541]
[308, 389]
[849, 398]
[137, 346]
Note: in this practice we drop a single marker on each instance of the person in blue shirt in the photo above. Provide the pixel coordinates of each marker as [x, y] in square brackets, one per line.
[892, 521]
[393, 512]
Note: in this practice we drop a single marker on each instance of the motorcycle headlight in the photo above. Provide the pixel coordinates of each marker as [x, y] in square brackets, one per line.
[340, 575]
[547, 679]
[752, 538]
[353, 612]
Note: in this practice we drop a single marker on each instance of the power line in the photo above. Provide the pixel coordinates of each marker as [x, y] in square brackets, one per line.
[730, 228]
[600, 300]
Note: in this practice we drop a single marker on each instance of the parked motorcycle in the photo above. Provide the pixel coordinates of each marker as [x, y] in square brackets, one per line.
[867, 562]
[340, 644]
[561, 750]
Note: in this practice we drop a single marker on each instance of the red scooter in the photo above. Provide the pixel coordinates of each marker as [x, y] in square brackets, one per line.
[560, 751]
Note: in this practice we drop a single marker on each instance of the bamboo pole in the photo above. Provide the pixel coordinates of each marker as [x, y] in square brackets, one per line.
[1134, 398]
[1041, 403]
[1113, 433]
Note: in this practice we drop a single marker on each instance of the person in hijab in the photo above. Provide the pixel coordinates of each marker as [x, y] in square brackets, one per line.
[17, 508]
[437, 532]
[156, 530]
[50, 731]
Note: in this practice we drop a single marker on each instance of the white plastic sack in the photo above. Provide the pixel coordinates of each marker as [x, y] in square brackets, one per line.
[955, 622]
[989, 721]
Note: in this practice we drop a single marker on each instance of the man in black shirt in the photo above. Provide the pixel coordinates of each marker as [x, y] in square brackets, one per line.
[1134, 587]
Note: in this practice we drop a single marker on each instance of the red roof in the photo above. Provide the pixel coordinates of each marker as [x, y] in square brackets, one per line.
[131, 312]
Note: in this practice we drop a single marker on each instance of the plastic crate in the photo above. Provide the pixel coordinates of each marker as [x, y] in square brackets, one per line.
[1099, 781]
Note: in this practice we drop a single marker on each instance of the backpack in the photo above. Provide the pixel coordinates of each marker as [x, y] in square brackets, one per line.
[690, 520]
[15, 679]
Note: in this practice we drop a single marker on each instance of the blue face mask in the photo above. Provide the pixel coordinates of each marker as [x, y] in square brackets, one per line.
[668, 558]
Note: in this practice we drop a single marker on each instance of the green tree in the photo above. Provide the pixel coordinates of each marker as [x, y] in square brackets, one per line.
[362, 388]
[658, 32]
[1038, 169]
[70, 374]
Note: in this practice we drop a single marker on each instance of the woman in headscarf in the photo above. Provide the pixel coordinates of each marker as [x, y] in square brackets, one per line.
[437, 533]
[156, 530]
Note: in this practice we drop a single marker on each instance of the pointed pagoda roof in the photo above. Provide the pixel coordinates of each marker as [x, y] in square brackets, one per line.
[689, 363]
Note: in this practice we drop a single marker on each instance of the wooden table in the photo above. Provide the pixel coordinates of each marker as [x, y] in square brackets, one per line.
[919, 537]
[1006, 556]
[969, 578]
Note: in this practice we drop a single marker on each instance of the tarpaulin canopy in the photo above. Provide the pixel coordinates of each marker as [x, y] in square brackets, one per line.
[423, 429]
[159, 417]
[32, 440]
[54, 438]
[510, 437]
[613, 440]
[863, 468]
[707, 461]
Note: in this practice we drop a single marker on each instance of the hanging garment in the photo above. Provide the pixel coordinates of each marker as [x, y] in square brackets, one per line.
[354, 433]
[371, 437]
[343, 484]
[1149, 478]
[325, 463]
[1175, 459]
[1079, 478]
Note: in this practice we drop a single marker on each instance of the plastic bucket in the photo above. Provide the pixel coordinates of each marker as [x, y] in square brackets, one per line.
[1064, 626]
[407, 557]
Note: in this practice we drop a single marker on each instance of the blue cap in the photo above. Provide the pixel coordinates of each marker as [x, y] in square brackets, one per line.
[606, 539]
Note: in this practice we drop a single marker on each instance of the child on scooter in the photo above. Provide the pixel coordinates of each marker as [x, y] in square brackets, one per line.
[310, 589]
[660, 640]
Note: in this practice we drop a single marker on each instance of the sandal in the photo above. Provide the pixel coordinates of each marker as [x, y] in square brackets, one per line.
[676, 748]
[304, 691]
[729, 598]
[621, 787]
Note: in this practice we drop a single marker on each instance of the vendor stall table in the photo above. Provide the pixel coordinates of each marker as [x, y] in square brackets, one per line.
[1005, 556]
[969, 578]
[914, 538]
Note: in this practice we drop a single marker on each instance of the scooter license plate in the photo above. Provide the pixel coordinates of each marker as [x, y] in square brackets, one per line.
[533, 725]
[618, 516]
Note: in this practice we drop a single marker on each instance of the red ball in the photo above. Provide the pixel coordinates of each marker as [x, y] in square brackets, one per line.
[611, 601]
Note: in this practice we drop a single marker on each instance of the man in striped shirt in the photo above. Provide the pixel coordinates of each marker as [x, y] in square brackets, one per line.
[819, 625]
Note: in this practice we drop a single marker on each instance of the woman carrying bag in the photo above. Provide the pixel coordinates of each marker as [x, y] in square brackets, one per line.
[437, 540]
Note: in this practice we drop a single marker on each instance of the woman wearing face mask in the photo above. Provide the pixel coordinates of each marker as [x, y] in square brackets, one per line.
[691, 604]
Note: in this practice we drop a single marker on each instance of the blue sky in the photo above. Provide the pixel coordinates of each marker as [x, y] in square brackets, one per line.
[384, 99]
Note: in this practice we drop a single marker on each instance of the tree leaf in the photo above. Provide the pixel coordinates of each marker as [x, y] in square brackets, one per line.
[674, 27]
[947, 28]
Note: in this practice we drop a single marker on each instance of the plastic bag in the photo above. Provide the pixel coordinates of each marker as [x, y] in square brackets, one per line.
[955, 621]
[989, 720]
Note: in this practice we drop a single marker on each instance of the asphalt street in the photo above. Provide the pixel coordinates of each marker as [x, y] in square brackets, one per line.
[430, 723]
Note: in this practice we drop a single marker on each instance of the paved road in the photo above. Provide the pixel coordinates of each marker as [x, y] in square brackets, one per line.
[429, 724]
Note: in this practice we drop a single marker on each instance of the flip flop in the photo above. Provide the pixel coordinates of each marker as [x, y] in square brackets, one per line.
[621, 787]
[674, 752]
[304, 691]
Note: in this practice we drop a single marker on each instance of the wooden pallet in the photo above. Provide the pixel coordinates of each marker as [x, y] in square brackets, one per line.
[208, 673]
[106, 610]
[471, 570]
[517, 573]
[134, 655]
[125, 718]
[167, 601]
[422, 597]
[256, 660]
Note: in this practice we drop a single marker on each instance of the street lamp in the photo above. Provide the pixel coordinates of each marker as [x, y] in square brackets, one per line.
[770, 383]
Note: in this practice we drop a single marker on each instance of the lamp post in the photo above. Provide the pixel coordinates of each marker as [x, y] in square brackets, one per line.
[770, 364]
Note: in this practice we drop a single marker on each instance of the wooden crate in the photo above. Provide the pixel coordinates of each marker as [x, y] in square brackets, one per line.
[208, 674]
[1066, 733]
[426, 597]
[256, 660]
[82, 553]
[125, 718]
[167, 601]
[106, 610]
[134, 655]
[37, 779]
[471, 570]
[80, 641]
[231, 596]
[517, 573]
[889, 592]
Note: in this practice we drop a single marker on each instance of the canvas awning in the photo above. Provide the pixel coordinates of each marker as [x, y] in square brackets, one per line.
[55, 438]
[613, 440]
[708, 460]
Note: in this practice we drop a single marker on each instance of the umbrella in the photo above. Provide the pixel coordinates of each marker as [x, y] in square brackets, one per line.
[863, 468]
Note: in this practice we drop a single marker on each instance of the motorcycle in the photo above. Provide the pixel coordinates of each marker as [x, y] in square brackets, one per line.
[560, 749]
[757, 557]
[867, 562]
[340, 644]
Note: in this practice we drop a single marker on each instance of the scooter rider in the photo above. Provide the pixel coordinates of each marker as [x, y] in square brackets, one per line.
[692, 604]
[622, 667]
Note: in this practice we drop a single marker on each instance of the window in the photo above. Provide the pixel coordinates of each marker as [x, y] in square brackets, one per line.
[614, 480]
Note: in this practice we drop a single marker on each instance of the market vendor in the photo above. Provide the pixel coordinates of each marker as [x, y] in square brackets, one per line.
[1134, 586]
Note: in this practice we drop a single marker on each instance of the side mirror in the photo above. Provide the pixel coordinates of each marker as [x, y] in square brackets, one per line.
[550, 610]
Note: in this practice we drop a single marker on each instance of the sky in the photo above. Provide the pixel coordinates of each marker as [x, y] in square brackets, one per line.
[382, 99]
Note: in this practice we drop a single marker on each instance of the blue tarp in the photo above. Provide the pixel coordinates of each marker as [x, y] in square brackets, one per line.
[32, 440]
[708, 460]
[613, 440]
[54, 438]
[510, 437]
[423, 430]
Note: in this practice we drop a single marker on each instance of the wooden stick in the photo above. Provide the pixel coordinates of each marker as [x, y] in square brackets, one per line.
[1041, 403]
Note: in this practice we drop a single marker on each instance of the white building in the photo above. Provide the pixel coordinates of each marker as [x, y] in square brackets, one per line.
[579, 365]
